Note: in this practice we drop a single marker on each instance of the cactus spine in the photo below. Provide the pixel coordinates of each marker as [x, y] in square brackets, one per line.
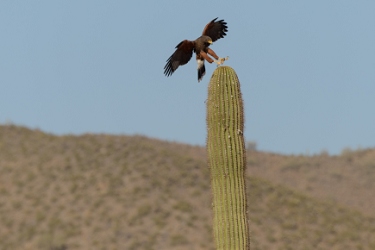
[226, 159]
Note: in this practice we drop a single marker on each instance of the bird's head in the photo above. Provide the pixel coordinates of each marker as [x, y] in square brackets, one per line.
[207, 40]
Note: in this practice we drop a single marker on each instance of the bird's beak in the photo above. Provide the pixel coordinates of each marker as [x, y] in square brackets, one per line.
[210, 41]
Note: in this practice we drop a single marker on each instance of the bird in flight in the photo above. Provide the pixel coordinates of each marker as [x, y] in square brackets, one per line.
[213, 31]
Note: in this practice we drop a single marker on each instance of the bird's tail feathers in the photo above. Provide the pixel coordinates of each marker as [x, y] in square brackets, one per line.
[201, 69]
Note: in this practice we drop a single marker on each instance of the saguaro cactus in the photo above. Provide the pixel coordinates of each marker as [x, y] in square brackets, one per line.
[226, 158]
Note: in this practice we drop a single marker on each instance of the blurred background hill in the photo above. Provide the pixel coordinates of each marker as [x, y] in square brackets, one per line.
[100, 191]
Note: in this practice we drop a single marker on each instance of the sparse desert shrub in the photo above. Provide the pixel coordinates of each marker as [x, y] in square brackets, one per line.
[60, 247]
[178, 239]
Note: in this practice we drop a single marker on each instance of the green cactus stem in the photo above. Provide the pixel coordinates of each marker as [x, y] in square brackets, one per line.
[226, 159]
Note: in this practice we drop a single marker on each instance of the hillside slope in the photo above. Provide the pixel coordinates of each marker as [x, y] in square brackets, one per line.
[348, 179]
[132, 192]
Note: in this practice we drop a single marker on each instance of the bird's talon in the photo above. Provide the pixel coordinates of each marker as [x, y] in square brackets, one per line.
[224, 59]
[221, 61]
[218, 62]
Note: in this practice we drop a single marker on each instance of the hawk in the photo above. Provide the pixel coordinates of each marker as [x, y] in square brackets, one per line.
[213, 31]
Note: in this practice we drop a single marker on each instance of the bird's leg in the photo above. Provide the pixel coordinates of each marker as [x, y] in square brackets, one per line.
[218, 60]
[205, 56]
[212, 53]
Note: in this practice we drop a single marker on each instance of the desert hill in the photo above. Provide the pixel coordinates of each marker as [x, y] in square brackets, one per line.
[348, 179]
[98, 191]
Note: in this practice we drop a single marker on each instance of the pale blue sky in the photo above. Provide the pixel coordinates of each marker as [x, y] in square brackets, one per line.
[307, 69]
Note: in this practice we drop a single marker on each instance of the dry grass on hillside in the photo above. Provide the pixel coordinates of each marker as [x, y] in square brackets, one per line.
[122, 192]
[348, 179]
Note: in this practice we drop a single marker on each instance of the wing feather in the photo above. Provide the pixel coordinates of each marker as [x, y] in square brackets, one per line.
[182, 55]
[215, 29]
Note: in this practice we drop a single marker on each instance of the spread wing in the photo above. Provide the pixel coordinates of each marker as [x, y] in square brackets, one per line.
[215, 29]
[182, 55]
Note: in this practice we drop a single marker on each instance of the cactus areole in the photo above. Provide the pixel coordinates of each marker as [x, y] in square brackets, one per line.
[226, 159]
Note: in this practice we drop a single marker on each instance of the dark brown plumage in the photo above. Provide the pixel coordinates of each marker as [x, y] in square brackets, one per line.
[213, 31]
